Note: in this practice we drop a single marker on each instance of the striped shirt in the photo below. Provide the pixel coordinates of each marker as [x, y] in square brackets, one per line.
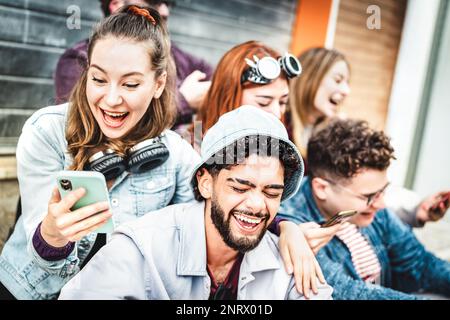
[363, 256]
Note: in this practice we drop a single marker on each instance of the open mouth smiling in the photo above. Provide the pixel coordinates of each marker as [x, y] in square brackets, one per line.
[248, 223]
[335, 102]
[114, 119]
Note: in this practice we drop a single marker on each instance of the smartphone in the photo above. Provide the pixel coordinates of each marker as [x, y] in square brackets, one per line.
[95, 185]
[338, 217]
[442, 199]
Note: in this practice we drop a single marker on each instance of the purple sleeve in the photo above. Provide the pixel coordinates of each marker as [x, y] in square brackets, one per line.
[69, 69]
[184, 110]
[204, 67]
[47, 251]
[186, 64]
[274, 227]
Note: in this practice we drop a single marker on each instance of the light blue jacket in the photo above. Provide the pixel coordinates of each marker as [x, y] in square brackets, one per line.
[41, 154]
[163, 256]
[406, 266]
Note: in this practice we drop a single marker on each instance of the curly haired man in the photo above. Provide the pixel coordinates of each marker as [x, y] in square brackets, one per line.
[374, 256]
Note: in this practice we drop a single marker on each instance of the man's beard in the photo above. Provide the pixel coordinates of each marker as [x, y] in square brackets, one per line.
[242, 244]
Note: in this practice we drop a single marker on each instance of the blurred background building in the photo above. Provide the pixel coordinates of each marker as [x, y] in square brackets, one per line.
[398, 50]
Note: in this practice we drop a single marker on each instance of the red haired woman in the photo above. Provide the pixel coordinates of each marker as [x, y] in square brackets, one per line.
[236, 82]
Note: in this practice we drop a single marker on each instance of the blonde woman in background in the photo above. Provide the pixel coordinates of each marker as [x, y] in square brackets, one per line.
[318, 93]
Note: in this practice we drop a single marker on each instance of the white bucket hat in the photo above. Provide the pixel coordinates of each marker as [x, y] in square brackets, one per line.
[249, 121]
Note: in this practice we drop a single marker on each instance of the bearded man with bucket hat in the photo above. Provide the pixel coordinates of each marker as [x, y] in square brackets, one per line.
[218, 247]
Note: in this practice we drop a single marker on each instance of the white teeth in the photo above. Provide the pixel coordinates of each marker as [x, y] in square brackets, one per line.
[248, 220]
[115, 115]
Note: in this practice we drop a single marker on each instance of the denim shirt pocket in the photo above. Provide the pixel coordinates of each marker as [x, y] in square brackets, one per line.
[152, 190]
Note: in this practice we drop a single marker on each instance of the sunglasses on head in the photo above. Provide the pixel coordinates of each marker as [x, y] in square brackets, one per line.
[267, 69]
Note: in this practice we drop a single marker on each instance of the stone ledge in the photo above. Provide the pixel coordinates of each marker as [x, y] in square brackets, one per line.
[8, 170]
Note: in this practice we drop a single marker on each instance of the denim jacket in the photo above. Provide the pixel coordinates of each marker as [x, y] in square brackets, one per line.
[163, 256]
[406, 265]
[41, 154]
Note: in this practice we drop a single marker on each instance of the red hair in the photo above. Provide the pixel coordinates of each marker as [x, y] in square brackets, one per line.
[225, 93]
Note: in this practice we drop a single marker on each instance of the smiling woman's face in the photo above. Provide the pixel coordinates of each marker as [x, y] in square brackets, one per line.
[333, 90]
[121, 85]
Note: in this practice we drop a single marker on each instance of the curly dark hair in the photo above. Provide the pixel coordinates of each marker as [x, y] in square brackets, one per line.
[236, 153]
[344, 147]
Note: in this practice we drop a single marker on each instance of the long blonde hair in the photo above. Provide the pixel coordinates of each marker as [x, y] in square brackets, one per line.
[83, 133]
[316, 62]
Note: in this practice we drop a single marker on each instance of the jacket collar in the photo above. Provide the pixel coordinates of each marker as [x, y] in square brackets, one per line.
[192, 251]
[262, 257]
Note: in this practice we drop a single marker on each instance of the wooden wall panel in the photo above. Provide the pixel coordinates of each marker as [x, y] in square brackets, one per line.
[372, 55]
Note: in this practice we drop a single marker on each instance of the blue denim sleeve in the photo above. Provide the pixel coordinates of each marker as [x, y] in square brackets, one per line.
[348, 288]
[39, 156]
[413, 267]
[187, 158]
[290, 210]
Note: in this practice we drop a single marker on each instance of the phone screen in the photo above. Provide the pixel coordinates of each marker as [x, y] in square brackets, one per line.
[96, 191]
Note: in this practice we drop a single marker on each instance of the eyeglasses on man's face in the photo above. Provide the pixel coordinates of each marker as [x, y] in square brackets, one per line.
[369, 198]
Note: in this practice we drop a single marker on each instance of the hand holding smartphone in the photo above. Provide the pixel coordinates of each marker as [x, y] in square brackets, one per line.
[96, 191]
[444, 199]
[438, 209]
[338, 217]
